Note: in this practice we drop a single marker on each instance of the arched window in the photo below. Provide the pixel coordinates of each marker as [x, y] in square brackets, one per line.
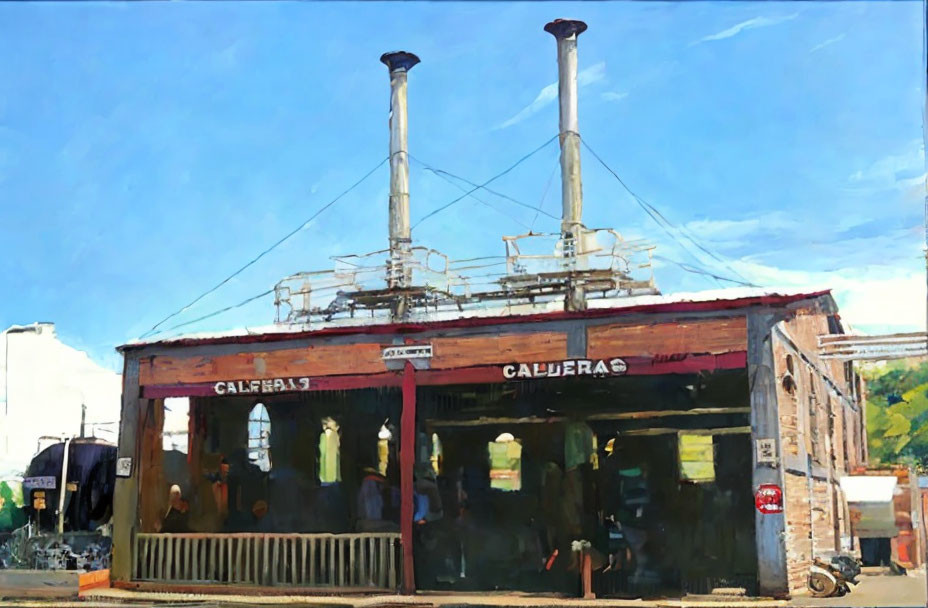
[329, 465]
[789, 383]
[259, 437]
[505, 463]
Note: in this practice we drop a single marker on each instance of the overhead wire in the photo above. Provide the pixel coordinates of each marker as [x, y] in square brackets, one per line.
[219, 312]
[664, 223]
[444, 175]
[544, 195]
[695, 270]
[652, 212]
[266, 251]
[486, 183]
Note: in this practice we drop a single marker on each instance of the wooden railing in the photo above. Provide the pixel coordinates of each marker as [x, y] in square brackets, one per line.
[368, 560]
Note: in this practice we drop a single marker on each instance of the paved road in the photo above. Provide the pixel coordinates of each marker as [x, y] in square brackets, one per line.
[883, 590]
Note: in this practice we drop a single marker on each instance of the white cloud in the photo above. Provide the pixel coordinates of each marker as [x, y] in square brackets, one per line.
[548, 94]
[614, 95]
[902, 171]
[750, 24]
[828, 42]
[731, 233]
[724, 229]
[875, 296]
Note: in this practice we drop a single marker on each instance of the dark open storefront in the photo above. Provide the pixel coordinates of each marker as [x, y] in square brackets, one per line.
[287, 463]
[526, 468]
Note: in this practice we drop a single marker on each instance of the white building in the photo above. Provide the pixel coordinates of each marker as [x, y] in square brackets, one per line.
[43, 384]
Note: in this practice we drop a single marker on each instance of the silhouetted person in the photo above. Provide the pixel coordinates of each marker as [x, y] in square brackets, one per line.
[176, 517]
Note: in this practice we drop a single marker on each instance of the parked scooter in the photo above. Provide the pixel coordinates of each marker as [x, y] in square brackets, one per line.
[831, 575]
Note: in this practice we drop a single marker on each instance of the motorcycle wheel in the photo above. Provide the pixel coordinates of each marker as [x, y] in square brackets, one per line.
[821, 585]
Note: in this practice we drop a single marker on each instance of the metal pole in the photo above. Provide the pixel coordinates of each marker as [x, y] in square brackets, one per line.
[64, 485]
[407, 466]
[83, 418]
[925, 138]
[398, 273]
[6, 393]
[566, 32]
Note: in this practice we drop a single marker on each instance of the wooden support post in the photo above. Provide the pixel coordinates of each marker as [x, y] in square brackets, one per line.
[126, 497]
[407, 463]
[587, 574]
[770, 529]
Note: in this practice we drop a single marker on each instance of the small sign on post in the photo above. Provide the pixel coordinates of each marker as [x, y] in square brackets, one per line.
[766, 451]
[769, 499]
[123, 467]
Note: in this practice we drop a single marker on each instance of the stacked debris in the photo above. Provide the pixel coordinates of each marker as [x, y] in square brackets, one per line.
[51, 552]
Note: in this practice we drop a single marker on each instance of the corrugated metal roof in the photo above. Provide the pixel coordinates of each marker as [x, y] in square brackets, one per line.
[717, 299]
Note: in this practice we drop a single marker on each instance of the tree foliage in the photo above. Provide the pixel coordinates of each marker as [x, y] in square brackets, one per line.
[897, 414]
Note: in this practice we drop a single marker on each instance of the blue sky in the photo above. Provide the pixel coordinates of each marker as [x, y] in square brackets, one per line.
[148, 150]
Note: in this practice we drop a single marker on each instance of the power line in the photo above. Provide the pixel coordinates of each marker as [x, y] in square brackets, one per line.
[695, 270]
[265, 252]
[544, 195]
[442, 173]
[446, 177]
[663, 222]
[486, 183]
[219, 312]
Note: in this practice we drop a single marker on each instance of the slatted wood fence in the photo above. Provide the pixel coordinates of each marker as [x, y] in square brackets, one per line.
[301, 560]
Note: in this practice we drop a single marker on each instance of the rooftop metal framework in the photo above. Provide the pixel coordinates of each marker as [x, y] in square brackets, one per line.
[536, 268]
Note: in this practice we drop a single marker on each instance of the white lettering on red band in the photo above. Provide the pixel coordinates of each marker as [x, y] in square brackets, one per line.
[567, 367]
[264, 386]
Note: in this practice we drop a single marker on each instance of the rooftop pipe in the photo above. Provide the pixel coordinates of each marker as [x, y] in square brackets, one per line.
[398, 274]
[566, 32]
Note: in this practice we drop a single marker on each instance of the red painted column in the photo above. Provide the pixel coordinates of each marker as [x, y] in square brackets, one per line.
[407, 463]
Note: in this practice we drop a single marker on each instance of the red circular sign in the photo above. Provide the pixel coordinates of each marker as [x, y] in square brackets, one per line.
[769, 498]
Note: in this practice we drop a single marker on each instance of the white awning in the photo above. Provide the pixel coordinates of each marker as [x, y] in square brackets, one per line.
[869, 488]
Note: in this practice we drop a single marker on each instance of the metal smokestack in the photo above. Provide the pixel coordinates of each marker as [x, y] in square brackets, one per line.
[399, 63]
[566, 32]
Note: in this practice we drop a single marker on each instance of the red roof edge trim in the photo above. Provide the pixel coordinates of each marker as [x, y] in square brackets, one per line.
[400, 328]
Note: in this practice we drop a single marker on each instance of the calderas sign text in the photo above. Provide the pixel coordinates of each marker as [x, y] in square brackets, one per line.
[569, 367]
[275, 385]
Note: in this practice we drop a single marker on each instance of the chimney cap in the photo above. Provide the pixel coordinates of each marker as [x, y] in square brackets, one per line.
[399, 60]
[565, 28]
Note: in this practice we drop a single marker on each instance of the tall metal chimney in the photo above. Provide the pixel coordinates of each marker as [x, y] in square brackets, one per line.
[566, 31]
[398, 274]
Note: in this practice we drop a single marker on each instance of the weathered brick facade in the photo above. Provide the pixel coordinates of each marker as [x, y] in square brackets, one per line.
[822, 437]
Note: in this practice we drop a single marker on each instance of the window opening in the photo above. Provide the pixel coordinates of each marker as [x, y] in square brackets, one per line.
[174, 432]
[789, 385]
[384, 436]
[436, 456]
[259, 437]
[579, 445]
[505, 463]
[697, 457]
[329, 465]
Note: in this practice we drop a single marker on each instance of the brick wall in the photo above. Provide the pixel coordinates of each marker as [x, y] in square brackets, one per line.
[819, 421]
[798, 526]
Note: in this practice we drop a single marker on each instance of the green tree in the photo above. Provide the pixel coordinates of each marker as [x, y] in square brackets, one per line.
[11, 512]
[897, 413]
